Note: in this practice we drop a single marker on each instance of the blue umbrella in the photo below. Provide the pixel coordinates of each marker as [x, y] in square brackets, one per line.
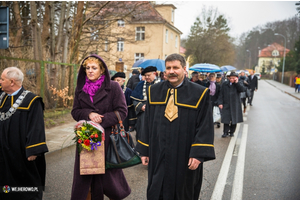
[137, 63]
[227, 68]
[205, 67]
[158, 63]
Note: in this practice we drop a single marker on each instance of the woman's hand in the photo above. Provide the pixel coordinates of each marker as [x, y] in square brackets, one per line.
[95, 117]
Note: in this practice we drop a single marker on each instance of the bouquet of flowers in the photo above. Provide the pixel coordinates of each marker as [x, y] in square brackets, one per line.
[88, 135]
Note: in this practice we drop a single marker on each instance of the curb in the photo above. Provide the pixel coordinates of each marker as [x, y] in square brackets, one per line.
[283, 90]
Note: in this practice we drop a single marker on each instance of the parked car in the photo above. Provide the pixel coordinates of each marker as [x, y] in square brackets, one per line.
[258, 75]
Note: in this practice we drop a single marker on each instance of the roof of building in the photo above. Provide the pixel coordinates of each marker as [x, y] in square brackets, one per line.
[267, 52]
[138, 11]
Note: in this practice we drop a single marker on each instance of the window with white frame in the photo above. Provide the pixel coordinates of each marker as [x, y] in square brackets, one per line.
[167, 35]
[176, 41]
[120, 45]
[140, 33]
[138, 56]
[106, 45]
[121, 23]
[173, 15]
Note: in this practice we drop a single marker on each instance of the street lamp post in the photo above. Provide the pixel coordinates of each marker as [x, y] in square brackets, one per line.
[283, 56]
[249, 57]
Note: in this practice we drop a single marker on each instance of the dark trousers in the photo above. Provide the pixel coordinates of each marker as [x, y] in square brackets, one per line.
[251, 96]
[229, 127]
[244, 102]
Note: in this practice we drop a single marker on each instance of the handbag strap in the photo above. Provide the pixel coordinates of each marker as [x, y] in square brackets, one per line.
[122, 131]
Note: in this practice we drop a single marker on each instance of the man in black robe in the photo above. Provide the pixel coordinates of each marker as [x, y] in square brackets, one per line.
[178, 135]
[130, 120]
[22, 139]
[139, 97]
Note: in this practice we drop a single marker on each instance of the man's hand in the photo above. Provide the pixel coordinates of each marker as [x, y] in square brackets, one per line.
[31, 158]
[95, 117]
[221, 106]
[193, 163]
[236, 80]
[145, 160]
[143, 108]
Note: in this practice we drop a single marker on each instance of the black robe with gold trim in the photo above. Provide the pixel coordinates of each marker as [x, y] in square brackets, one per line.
[169, 145]
[138, 102]
[22, 135]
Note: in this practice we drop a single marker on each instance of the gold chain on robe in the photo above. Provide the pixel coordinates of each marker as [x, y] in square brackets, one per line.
[171, 111]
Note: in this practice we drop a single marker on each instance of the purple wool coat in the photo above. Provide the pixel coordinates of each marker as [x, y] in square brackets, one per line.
[107, 99]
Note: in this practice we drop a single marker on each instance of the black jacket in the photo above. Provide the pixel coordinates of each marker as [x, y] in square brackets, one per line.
[132, 80]
[253, 82]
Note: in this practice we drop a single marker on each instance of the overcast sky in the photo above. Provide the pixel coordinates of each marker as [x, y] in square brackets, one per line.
[242, 16]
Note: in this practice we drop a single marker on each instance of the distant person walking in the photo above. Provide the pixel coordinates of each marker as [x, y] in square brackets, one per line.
[253, 86]
[230, 103]
[297, 83]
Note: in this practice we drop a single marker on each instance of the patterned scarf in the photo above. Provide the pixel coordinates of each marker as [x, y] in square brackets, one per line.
[212, 87]
[92, 87]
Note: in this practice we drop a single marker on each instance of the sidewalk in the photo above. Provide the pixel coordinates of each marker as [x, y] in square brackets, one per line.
[60, 137]
[284, 88]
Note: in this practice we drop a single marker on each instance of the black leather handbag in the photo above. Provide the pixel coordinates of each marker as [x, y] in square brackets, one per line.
[121, 153]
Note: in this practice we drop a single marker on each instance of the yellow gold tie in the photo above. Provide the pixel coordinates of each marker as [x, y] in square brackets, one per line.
[171, 111]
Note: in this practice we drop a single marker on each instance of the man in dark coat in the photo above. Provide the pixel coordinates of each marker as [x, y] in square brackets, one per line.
[130, 120]
[195, 78]
[253, 86]
[22, 139]
[230, 103]
[139, 97]
[178, 135]
[135, 78]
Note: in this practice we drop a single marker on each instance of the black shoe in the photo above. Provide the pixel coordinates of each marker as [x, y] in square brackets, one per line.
[231, 135]
[250, 104]
[224, 135]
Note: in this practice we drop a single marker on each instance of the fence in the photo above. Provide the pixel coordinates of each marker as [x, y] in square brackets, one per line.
[32, 78]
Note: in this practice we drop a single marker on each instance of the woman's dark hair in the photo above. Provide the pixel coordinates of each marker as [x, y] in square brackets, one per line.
[176, 56]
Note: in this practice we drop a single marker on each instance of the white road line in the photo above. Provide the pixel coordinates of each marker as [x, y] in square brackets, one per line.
[221, 181]
[237, 188]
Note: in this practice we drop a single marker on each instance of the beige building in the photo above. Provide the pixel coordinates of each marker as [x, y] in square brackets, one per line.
[148, 33]
[270, 57]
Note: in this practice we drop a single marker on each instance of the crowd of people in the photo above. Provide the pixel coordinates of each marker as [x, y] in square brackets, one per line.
[172, 116]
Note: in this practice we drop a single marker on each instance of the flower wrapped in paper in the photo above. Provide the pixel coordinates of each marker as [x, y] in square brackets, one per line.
[89, 137]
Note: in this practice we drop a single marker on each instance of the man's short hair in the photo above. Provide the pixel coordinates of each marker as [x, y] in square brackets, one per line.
[14, 73]
[194, 73]
[176, 56]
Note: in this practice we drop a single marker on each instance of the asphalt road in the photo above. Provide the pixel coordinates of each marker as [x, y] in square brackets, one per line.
[261, 162]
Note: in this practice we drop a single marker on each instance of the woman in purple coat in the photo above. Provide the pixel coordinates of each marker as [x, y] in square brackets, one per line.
[96, 99]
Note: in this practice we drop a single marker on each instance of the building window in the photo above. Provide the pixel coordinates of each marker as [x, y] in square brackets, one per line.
[120, 46]
[121, 23]
[106, 45]
[173, 15]
[176, 41]
[166, 35]
[138, 56]
[166, 56]
[140, 33]
[94, 34]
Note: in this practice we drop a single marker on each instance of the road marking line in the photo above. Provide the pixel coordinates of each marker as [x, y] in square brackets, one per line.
[221, 181]
[237, 188]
